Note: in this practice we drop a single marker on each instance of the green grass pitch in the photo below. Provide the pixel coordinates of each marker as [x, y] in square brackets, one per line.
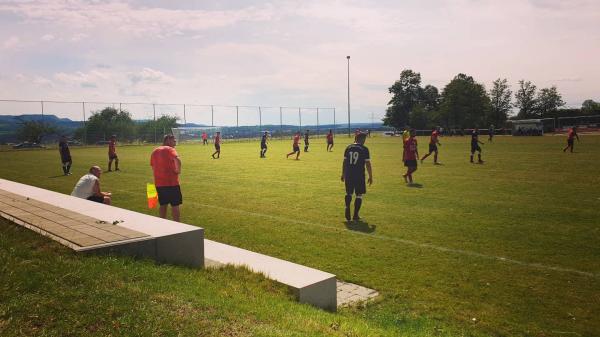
[507, 248]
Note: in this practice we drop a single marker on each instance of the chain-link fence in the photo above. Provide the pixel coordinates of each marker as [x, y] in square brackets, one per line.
[95, 122]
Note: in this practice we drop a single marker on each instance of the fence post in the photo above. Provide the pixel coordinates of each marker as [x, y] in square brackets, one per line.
[317, 122]
[300, 118]
[184, 120]
[84, 127]
[120, 107]
[281, 122]
[42, 103]
[259, 119]
[154, 112]
[334, 125]
[212, 115]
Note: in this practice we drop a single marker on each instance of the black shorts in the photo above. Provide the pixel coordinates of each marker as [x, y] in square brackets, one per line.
[218, 147]
[306, 142]
[113, 156]
[355, 185]
[410, 163]
[330, 142]
[296, 148]
[432, 148]
[65, 159]
[475, 147]
[96, 198]
[570, 142]
[169, 195]
[263, 145]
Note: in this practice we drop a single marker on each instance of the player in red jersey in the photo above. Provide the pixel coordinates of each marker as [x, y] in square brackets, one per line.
[204, 138]
[330, 141]
[410, 156]
[295, 147]
[571, 139]
[112, 153]
[433, 144]
[217, 146]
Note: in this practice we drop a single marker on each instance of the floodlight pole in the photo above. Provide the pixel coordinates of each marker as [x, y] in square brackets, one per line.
[259, 119]
[212, 115]
[348, 58]
[42, 103]
[154, 112]
[317, 122]
[84, 128]
[237, 117]
[184, 120]
[281, 122]
[300, 118]
[334, 125]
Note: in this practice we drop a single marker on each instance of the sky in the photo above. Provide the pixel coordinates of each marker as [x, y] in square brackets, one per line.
[289, 53]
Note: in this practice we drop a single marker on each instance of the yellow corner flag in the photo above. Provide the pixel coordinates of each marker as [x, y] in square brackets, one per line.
[152, 195]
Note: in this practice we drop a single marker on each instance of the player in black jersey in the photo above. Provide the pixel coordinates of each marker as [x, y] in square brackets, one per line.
[65, 155]
[306, 141]
[475, 145]
[263, 144]
[356, 157]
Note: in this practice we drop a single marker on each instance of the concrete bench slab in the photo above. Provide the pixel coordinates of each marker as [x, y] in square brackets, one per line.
[310, 285]
[88, 226]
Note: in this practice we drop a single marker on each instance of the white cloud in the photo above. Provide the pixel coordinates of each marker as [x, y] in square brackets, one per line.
[148, 75]
[47, 37]
[12, 42]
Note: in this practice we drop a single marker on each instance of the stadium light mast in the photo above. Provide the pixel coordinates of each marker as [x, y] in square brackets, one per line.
[348, 58]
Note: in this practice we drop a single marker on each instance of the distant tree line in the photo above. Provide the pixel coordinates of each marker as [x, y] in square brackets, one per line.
[465, 103]
[100, 126]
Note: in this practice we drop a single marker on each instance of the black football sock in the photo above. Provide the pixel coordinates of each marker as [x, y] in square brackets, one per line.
[68, 168]
[357, 204]
[479, 157]
[64, 167]
[348, 200]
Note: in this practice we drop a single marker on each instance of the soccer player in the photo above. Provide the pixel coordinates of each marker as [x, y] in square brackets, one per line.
[475, 145]
[166, 167]
[295, 146]
[112, 153]
[356, 133]
[571, 139]
[88, 187]
[217, 146]
[410, 156]
[330, 141]
[491, 133]
[406, 134]
[433, 144]
[263, 144]
[65, 155]
[356, 157]
[306, 141]
[204, 138]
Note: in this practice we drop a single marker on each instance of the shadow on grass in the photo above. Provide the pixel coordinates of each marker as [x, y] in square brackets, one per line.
[360, 226]
[414, 185]
[58, 176]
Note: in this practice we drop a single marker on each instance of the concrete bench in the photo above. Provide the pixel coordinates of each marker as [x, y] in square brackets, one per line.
[310, 285]
[161, 240]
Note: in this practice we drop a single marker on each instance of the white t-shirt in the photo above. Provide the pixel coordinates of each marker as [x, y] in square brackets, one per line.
[85, 186]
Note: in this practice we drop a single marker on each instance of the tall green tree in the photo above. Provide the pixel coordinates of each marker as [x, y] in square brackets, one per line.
[110, 121]
[500, 102]
[547, 102]
[464, 103]
[525, 100]
[406, 93]
[34, 131]
[154, 130]
[590, 107]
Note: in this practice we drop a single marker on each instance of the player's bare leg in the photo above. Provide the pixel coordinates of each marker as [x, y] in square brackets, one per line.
[175, 213]
[116, 164]
[110, 165]
[435, 158]
[162, 211]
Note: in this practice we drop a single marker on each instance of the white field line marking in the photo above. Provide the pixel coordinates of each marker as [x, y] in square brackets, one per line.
[415, 244]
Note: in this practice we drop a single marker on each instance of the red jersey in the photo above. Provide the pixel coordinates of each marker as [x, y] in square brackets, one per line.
[162, 161]
[111, 148]
[434, 137]
[296, 139]
[204, 136]
[218, 140]
[572, 134]
[410, 149]
[329, 137]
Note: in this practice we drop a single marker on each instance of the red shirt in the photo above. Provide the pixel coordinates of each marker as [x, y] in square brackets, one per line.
[410, 149]
[218, 140]
[434, 137]
[111, 147]
[329, 137]
[204, 135]
[296, 139]
[571, 134]
[162, 161]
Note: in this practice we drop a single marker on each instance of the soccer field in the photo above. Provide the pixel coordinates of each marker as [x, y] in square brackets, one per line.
[510, 247]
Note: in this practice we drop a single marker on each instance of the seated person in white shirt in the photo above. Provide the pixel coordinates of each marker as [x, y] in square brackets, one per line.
[88, 187]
